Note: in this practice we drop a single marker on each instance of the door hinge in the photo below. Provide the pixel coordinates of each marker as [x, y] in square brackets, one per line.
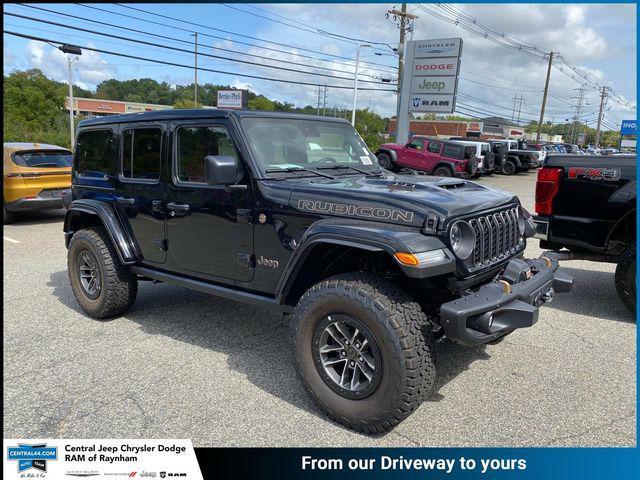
[161, 244]
[243, 215]
[246, 260]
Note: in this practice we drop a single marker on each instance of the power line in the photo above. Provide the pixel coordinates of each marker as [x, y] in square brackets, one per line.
[190, 67]
[144, 42]
[174, 39]
[224, 31]
[309, 28]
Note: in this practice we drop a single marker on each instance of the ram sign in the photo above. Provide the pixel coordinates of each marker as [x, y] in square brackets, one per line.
[429, 79]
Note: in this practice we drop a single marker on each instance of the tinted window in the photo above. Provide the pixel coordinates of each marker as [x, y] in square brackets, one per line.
[416, 144]
[195, 143]
[43, 159]
[434, 147]
[94, 152]
[452, 151]
[141, 153]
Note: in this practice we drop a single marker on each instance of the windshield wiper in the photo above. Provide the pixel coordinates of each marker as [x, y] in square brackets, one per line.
[298, 169]
[344, 167]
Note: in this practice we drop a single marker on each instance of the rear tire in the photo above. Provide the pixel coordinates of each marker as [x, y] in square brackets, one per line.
[385, 161]
[103, 287]
[402, 350]
[509, 168]
[7, 216]
[442, 172]
[626, 278]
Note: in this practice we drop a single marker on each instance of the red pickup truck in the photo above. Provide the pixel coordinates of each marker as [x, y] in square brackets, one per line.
[441, 158]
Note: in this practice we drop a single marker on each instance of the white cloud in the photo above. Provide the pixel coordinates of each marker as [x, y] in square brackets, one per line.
[89, 69]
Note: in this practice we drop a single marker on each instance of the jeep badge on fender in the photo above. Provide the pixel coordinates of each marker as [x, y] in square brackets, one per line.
[292, 212]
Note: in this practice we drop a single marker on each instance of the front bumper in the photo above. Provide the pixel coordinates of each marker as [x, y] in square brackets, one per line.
[508, 303]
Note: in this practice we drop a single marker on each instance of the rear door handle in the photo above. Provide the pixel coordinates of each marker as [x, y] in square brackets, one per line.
[127, 202]
[178, 207]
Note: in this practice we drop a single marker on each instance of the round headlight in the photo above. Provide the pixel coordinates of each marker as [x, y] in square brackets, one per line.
[462, 239]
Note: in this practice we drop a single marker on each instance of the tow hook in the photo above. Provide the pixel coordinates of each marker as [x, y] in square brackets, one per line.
[547, 297]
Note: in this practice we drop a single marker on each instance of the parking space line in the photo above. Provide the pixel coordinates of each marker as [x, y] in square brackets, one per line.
[11, 240]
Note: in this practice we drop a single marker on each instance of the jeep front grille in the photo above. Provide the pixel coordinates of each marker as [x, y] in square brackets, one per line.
[497, 237]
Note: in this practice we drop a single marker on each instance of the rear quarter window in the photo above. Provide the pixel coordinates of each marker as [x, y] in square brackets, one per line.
[452, 151]
[94, 153]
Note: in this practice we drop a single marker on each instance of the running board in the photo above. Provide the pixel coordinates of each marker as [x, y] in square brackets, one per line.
[210, 288]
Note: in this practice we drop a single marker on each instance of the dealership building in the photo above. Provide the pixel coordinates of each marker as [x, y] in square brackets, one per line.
[92, 107]
[490, 127]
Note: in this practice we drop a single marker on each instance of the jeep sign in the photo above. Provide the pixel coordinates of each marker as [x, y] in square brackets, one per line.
[429, 80]
[433, 85]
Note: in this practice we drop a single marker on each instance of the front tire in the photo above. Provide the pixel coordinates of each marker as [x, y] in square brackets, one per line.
[398, 368]
[509, 168]
[103, 287]
[385, 161]
[626, 278]
[7, 216]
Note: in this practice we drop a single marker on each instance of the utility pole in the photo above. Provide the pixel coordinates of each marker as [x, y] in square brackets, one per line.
[404, 20]
[195, 73]
[576, 115]
[520, 107]
[513, 108]
[355, 82]
[544, 96]
[324, 101]
[603, 97]
[318, 109]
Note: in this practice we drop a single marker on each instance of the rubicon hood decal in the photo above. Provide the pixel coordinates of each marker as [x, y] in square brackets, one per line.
[377, 213]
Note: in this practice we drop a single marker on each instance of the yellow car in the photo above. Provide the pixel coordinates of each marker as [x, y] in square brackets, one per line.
[35, 175]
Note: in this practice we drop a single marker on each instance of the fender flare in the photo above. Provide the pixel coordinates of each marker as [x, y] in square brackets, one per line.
[368, 236]
[392, 153]
[128, 251]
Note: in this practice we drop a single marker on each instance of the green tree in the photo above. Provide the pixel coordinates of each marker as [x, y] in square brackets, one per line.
[261, 103]
[34, 109]
[370, 126]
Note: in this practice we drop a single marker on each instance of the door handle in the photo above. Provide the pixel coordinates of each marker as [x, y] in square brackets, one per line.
[178, 207]
[127, 202]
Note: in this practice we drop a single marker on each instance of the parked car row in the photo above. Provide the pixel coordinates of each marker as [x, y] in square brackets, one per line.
[461, 157]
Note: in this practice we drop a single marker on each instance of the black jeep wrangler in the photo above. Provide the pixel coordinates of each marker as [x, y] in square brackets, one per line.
[293, 212]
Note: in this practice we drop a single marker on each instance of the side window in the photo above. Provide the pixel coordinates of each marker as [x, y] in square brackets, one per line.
[94, 153]
[452, 151]
[416, 144]
[141, 154]
[195, 143]
[434, 147]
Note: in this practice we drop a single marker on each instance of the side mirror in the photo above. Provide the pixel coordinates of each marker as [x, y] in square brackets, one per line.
[221, 170]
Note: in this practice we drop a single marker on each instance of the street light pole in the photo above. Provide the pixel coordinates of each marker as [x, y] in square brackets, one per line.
[355, 83]
[71, 50]
[195, 74]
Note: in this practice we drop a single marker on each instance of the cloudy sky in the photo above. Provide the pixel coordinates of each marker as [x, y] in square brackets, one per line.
[318, 38]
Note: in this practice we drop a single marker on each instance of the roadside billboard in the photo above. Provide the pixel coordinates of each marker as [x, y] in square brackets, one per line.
[232, 99]
[429, 79]
[628, 127]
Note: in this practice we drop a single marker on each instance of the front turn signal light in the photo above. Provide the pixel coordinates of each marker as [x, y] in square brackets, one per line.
[421, 259]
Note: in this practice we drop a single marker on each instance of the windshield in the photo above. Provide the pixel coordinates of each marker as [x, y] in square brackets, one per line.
[286, 143]
[43, 159]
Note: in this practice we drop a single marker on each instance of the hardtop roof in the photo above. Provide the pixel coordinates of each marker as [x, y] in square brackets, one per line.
[203, 113]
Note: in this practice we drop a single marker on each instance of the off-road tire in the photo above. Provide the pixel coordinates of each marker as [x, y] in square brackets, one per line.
[385, 161]
[119, 286]
[7, 216]
[443, 171]
[509, 168]
[402, 332]
[626, 278]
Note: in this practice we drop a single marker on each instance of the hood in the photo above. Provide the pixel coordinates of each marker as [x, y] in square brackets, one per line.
[390, 146]
[398, 199]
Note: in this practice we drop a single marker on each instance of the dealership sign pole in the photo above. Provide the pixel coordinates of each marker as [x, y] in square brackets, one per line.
[429, 80]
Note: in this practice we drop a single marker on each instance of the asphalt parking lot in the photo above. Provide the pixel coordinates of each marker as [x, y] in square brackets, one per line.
[182, 364]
